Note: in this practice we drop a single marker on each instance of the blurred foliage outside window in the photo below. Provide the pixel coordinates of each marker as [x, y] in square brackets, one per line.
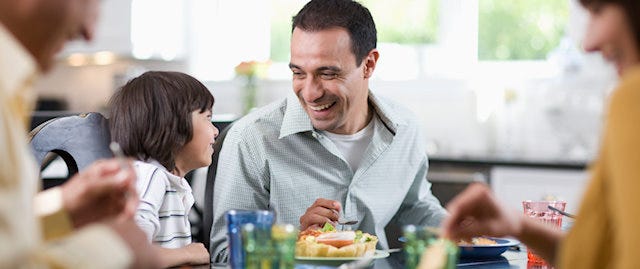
[400, 21]
[405, 21]
[520, 30]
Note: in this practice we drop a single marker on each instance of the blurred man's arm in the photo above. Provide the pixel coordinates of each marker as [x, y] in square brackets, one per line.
[419, 205]
[240, 184]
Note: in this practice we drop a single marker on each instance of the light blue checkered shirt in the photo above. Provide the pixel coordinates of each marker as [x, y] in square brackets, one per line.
[274, 159]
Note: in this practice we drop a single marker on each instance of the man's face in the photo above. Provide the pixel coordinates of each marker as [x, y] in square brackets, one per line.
[54, 22]
[331, 88]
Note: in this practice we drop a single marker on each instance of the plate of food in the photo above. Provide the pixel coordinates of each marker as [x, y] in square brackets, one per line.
[485, 246]
[328, 245]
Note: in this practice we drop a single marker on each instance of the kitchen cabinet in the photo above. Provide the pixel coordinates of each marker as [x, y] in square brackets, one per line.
[138, 29]
[512, 180]
[113, 31]
[512, 185]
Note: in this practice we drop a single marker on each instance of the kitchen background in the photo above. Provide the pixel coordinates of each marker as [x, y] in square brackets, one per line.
[504, 92]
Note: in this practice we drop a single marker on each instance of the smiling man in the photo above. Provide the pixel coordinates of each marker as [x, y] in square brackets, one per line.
[333, 149]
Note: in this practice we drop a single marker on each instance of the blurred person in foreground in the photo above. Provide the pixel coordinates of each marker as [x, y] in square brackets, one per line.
[605, 234]
[332, 148]
[88, 221]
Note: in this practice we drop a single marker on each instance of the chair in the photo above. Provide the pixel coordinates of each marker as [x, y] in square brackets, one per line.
[79, 140]
[207, 217]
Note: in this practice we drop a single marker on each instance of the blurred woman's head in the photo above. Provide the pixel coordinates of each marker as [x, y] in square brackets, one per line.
[614, 30]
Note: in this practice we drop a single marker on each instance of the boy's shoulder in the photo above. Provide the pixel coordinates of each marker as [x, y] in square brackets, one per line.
[149, 169]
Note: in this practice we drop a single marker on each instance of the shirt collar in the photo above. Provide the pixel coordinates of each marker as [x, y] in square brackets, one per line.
[296, 120]
[17, 66]
[176, 181]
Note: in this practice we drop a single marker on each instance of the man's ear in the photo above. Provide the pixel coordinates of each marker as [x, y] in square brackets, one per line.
[369, 63]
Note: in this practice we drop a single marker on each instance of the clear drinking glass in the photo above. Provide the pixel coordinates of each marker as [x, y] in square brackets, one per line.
[540, 211]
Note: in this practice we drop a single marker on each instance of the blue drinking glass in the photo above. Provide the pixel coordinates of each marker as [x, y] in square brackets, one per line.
[262, 219]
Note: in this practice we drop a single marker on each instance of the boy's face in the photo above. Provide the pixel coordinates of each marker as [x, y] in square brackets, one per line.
[197, 152]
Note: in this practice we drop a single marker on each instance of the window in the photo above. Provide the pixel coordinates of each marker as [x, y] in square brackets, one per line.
[520, 30]
[418, 39]
[405, 21]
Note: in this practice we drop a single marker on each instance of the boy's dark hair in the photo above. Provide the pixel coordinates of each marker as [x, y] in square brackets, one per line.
[150, 116]
[630, 7]
[324, 14]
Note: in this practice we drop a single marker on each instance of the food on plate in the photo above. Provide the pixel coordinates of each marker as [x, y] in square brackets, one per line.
[328, 242]
[478, 241]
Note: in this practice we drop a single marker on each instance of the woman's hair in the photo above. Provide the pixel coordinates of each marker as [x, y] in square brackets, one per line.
[150, 116]
[630, 7]
[320, 15]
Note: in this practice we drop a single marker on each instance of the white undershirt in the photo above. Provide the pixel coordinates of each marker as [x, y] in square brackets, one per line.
[353, 146]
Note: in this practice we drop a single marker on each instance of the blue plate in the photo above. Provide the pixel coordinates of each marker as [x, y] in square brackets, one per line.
[471, 251]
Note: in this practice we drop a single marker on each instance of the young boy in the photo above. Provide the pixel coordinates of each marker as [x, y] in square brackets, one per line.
[163, 119]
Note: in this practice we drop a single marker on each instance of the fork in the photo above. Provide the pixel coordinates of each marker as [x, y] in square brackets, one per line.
[357, 264]
[342, 221]
[561, 212]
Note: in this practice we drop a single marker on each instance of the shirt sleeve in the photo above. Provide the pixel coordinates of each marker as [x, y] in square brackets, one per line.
[96, 246]
[240, 184]
[622, 159]
[152, 189]
[22, 246]
[49, 209]
[419, 206]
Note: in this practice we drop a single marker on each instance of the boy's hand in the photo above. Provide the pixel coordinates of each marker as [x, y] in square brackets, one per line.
[144, 254]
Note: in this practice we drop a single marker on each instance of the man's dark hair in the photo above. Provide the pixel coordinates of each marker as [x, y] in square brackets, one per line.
[630, 7]
[150, 116]
[320, 15]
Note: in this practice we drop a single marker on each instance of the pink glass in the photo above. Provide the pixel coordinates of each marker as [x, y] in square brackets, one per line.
[540, 210]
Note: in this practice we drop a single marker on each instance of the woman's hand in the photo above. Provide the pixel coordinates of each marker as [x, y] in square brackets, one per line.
[101, 192]
[476, 212]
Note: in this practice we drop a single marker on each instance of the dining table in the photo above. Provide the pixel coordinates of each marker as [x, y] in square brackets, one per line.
[513, 258]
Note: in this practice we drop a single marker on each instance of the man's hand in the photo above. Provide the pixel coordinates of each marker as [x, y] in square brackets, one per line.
[144, 254]
[476, 212]
[320, 212]
[102, 191]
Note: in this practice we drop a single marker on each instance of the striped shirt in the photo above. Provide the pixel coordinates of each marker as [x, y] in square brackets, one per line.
[165, 201]
[274, 159]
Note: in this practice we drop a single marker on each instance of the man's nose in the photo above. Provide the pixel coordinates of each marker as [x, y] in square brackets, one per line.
[312, 90]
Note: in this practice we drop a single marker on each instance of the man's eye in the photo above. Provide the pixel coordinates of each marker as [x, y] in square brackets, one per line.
[328, 76]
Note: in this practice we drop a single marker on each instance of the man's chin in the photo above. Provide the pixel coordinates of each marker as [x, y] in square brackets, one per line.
[321, 126]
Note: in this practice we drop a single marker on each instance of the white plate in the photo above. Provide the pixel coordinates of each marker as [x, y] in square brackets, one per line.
[378, 254]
